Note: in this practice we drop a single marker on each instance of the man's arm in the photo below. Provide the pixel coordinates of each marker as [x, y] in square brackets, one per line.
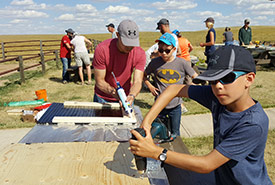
[136, 87]
[68, 46]
[88, 42]
[240, 37]
[190, 47]
[102, 84]
[165, 97]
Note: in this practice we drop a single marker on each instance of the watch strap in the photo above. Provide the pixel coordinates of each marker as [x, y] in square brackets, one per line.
[164, 151]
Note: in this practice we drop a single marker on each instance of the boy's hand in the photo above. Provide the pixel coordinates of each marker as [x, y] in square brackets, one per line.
[144, 146]
[154, 90]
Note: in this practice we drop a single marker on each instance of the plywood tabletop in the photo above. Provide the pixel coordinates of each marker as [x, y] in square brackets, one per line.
[69, 163]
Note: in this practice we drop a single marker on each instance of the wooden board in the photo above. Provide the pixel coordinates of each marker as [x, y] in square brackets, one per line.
[72, 104]
[99, 163]
[126, 119]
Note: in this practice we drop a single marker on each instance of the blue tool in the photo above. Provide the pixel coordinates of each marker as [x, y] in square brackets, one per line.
[122, 96]
[158, 130]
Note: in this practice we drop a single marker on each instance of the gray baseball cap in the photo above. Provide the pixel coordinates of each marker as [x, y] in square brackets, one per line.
[129, 33]
[162, 21]
[70, 30]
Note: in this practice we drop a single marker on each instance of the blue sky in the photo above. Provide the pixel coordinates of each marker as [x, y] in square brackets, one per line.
[91, 16]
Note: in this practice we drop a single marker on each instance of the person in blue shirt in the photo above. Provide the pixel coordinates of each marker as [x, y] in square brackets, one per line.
[240, 123]
[210, 38]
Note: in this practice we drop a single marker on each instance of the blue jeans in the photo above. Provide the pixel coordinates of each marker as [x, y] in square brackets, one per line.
[66, 64]
[99, 99]
[228, 43]
[175, 117]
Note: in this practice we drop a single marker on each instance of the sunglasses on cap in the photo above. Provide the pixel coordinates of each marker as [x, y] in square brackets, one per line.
[167, 51]
[229, 78]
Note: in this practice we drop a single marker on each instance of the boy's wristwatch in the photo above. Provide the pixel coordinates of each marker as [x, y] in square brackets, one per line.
[163, 156]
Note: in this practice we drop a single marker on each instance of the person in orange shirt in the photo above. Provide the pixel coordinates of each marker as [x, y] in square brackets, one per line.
[185, 46]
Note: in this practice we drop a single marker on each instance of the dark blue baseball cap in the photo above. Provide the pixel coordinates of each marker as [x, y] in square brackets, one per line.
[225, 60]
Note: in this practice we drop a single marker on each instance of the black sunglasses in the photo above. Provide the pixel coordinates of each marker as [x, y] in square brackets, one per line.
[167, 51]
[228, 79]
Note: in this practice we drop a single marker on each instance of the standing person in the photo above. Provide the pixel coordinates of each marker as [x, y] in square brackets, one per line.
[240, 123]
[228, 36]
[122, 56]
[168, 70]
[245, 34]
[112, 30]
[184, 45]
[210, 38]
[81, 56]
[163, 27]
[65, 54]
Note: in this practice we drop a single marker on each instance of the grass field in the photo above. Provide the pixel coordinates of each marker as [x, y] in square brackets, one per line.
[263, 89]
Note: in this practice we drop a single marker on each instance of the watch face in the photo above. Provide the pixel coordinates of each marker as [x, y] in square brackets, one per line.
[162, 157]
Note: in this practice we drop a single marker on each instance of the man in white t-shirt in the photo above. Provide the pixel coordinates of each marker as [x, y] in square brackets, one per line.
[163, 27]
[112, 30]
[81, 56]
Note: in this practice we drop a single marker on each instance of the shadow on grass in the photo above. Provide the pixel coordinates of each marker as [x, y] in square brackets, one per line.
[142, 104]
[54, 79]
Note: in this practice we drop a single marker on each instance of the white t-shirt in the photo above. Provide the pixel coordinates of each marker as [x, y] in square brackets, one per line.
[114, 35]
[79, 44]
[177, 44]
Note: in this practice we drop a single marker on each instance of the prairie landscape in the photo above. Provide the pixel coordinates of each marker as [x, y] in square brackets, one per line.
[11, 89]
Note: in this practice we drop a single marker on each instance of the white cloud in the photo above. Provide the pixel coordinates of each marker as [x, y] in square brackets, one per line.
[261, 18]
[85, 8]
[238, 2]
[209, 14]
[66, 17]
[263, 6]
[16, 21]
[23, 2]
[117, 9]
[173, 4]
[150, 19]
[126, 10]
[30, 14]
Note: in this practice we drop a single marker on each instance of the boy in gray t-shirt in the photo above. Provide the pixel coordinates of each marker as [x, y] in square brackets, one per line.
[168, 70]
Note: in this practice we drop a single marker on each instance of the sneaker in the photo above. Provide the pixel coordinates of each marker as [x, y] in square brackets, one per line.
[89, 83]
[80, 83]
[64, 81]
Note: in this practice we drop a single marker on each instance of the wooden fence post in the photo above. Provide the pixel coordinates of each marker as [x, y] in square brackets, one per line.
[21, 69]
[43, 63]
[57, 59]
[41, 47]
[3, 50]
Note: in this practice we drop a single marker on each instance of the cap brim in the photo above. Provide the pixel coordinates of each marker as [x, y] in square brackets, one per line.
[130, 42]
[211, 75]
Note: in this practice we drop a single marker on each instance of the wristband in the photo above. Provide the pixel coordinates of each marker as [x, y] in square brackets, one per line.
[132, 95]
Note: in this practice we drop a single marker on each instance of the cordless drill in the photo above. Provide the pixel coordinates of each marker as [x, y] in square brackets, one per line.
[158, 130]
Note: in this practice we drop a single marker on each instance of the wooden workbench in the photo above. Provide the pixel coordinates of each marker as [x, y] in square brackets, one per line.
[69, 163]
